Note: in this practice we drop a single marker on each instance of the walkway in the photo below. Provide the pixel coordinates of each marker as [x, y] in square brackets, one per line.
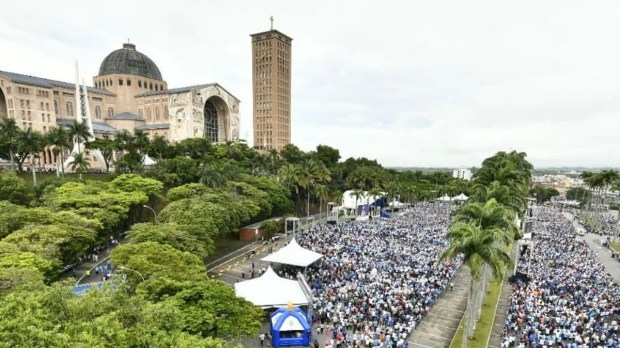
[442, 321]
[501, 313]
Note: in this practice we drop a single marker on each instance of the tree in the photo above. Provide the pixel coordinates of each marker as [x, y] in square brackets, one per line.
[80, 163]
[328, 155]
[59, 138]
[106, 317]
[79, 132]
[106, 146]
[577, 194]
[479, 248]
[180, 237]
[292, 154]
[175, 171]
[13, 189]
[9, 133]
[194, 148]
[543, 194]
[289, 177]
[357, 193]
[320, 191]
[30, 143]
[158, 147]
[210, 308]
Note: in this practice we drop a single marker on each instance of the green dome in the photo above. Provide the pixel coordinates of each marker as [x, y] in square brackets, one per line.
[130, 62]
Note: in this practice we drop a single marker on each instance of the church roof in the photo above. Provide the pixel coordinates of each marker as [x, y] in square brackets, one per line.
[185, 90]
[47, 83]
[126, 116]
[131, 62]
[154, 126]
[98, 127]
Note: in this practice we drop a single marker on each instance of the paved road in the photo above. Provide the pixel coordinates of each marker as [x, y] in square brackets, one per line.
[604, 254]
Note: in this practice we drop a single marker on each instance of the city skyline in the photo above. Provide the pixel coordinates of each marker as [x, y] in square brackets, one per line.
[413, 84]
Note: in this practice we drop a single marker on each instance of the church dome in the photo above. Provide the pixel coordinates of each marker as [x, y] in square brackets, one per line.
[131, 62]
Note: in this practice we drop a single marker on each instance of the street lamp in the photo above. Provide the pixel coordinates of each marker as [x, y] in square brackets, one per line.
[153, 210]
[122, 268]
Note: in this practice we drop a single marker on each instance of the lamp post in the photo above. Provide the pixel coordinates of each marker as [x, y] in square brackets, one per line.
[153, 210]
[123, 268]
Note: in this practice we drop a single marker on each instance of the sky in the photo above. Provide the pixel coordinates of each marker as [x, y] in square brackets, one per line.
[409, 83]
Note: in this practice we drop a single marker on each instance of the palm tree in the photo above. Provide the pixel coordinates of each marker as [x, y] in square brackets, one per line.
[79, 164]
[320, 191]
[31, 143]
[10, 130]
[312, 172]
[488, 216]
[59, 138]
[479, 248]
[289, 176]
[141, 142]
[159, 145]
[79, 132]
[357, 193]
[374, 193]
[105, 147]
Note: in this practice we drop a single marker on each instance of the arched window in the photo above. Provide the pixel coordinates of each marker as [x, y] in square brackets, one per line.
[110, 112]
[98, 112]
[140, 83]
[69, 109]
[151, 86]
[211, 124]
[148, 114]
[157, 113]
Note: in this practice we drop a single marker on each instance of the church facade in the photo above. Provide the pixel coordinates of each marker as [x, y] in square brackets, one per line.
[129, 93]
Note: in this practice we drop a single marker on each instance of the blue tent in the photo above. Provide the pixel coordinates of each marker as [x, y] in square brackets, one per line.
[290, 328]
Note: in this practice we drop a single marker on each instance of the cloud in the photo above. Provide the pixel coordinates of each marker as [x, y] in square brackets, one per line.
[410, 83]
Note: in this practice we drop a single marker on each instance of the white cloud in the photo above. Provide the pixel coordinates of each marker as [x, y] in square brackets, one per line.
[410, 83]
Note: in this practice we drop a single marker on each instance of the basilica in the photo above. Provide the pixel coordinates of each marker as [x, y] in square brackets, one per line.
[129, 93]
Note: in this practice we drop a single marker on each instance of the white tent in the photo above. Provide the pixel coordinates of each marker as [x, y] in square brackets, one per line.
[271, 290]
[444, 198]
[294, 255]
[396, 204]
[460, 198]
[148, 161]
[348, 200]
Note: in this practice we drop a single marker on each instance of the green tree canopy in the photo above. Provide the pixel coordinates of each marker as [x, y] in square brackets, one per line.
[181, 237]
[13, 189]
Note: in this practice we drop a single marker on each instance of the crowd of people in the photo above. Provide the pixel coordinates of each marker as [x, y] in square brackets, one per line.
[565, 297]
[378, 278]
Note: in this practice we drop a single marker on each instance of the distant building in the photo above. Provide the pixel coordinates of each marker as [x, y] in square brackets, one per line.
[129, 93]
[462, 173]
[271, 88]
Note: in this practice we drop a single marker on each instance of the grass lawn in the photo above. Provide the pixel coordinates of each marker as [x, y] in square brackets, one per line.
[485, 324]
[615, 246]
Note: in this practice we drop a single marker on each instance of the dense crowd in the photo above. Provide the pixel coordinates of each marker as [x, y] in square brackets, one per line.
[566, 299]
[379, 277]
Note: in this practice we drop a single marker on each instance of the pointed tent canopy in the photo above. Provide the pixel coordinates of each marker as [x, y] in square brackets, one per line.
[271, 290]
[460, 197]
[444, 198]
[294, 255]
